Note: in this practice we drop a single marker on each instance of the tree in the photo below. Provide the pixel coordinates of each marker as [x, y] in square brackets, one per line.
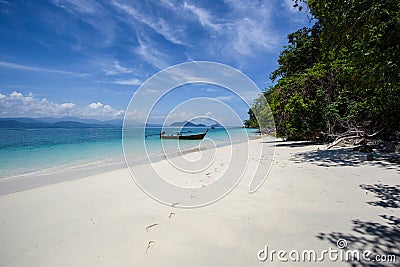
[342, 73]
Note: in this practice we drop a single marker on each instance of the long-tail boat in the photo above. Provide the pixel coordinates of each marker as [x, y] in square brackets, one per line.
[179, 135]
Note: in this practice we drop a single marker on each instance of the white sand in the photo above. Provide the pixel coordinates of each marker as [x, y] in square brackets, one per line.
[101, 220]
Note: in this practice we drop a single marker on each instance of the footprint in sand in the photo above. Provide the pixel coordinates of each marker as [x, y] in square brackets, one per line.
[150, 244]
[151, 226]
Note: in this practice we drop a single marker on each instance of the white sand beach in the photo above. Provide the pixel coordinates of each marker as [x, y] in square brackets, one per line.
[311, 198]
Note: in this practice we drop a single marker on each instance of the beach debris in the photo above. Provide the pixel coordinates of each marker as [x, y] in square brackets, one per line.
[171, 214]
[356, 137]
[208, 173]
[150, 244]
[174, 204]
[151, 226]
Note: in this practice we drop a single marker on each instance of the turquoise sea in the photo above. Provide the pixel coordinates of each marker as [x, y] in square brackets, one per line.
[30, 152]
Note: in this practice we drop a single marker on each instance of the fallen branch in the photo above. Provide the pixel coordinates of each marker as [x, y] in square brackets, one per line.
[374, 134]
[344, 136]
[348, 135]
[341, 139]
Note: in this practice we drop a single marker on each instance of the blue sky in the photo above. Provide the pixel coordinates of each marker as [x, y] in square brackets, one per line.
[87, 58]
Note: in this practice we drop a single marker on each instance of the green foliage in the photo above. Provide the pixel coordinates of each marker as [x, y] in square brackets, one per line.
[301, 54]
[342, 73]
[252, 121]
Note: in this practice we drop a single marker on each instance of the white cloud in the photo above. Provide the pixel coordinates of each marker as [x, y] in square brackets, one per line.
[92, 13]
[158, 24]
[150, 54]
[18, 105]
[95, 105]
[10, 65]
[117, 69]
[242, 29]
[150, 91]
[225, 98]
[67, 105]
[246, 31]
[167, 4]
[204, 17]
[16, 95]
[253, 31]
[83, 6]
[247, 36]
[132, 82]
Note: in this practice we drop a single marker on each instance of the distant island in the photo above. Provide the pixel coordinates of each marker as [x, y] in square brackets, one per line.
[190, 124]
[217, 125]
[186, 124]
[74, 122]
[46, 122]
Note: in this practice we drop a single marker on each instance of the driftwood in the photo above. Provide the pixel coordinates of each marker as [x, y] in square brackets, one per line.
[341, 139]
[350, 135]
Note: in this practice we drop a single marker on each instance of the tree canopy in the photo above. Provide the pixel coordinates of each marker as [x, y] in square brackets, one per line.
[340, 74]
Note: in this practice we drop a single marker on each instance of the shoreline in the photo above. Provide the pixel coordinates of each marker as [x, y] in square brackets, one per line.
[57, 174]
[311, 198]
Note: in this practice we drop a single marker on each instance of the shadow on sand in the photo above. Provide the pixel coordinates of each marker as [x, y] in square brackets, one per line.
[293, 143]
[389, 196]
[381, 237]
[346, 157]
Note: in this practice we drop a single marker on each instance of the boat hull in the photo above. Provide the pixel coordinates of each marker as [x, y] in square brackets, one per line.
[185, 137]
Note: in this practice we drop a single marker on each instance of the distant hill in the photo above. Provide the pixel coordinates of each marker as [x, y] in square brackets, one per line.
[217, 125]
[186, 124]
[153, 125]
[22, 120]
[115, 122]
[33, 124]
[75, 122]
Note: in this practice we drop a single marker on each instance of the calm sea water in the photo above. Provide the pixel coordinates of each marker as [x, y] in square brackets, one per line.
[41, 151]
